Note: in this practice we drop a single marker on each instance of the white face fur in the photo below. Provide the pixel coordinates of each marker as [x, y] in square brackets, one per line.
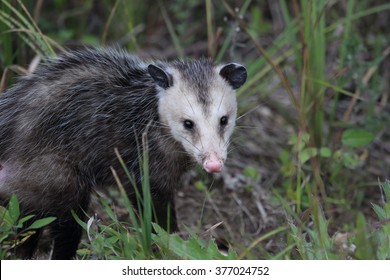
[202, 127]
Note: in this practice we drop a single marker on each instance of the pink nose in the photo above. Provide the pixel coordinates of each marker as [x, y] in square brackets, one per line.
[213, 165]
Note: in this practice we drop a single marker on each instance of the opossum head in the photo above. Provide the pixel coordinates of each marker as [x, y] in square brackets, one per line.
[197, 103]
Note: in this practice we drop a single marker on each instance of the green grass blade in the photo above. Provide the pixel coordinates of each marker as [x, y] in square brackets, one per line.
[35, 34]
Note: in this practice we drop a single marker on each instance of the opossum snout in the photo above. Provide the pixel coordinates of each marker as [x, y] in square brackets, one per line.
[212, 164]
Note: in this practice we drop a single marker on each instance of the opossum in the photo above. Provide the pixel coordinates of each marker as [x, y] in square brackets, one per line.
[60, 125]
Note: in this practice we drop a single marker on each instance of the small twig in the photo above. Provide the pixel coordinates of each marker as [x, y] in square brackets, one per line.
[212, 228]
[260, 207]
[15, 68]
[37, 10]
[356, 96]
[107, 25]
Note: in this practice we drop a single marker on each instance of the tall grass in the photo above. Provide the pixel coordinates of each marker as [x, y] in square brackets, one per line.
[127, 244]
[17, 19]
[20, 20]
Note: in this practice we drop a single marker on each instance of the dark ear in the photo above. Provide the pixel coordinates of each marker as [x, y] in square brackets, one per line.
[234, 74]
[162, 78]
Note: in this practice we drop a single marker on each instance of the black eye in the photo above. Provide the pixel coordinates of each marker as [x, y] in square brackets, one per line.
[188, 124]
[223, 121]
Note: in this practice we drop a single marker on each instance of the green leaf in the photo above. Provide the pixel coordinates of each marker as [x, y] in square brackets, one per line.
[381, 213]
[325, 152]
[200, 186]
[251, 172]
[357, 137]
[386, 189]
[108, 209]
[3, 237]
[351, 160]
[364, 248]
[78, 220]
[13, 208]
[112, 240]
[41, 223]
[24, 219]
[307, 154]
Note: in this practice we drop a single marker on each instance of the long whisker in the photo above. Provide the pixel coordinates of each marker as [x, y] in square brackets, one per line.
[227, 143]
[232, 149]
[245, 127]
[248, 112]
[190, 143]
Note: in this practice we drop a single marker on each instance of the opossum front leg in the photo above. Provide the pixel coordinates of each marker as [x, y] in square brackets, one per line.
[65, 231]
[165, 213]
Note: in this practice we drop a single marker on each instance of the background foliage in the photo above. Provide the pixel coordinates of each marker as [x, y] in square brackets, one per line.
[308, 175]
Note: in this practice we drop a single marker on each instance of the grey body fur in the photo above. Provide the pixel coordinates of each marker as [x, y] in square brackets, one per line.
[59, 127]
